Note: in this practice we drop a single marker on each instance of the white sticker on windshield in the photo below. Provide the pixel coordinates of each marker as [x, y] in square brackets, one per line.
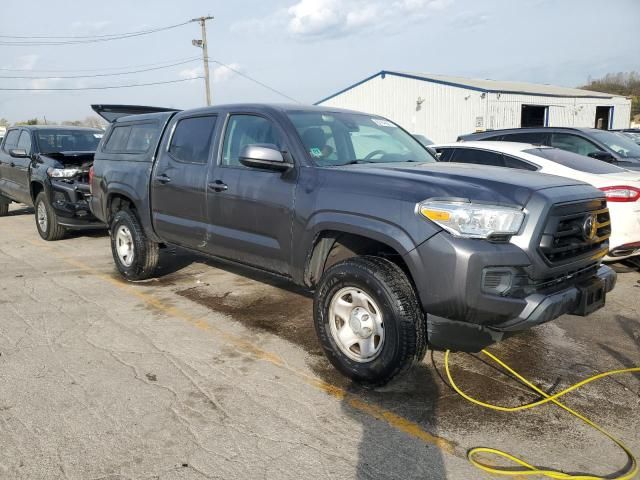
[98, 135]
[382, 123]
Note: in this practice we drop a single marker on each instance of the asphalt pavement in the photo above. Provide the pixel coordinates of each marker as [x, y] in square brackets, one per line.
[211, 370]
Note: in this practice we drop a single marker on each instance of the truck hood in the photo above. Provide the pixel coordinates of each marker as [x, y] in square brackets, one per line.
[70, 159]
[465, 182]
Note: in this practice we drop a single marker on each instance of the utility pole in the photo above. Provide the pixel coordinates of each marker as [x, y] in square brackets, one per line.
[205, 54]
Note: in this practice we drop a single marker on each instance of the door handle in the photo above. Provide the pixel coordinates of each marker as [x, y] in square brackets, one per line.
[163, 179]
[218, 186]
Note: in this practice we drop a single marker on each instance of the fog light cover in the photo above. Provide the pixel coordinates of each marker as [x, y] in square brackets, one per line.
[497, 280]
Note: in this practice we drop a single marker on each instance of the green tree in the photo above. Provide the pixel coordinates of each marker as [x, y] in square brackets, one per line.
[622, 83]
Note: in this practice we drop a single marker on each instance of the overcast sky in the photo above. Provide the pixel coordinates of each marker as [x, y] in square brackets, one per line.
[307, 49]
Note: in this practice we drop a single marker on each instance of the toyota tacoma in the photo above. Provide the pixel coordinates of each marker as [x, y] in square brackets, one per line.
[401, 251]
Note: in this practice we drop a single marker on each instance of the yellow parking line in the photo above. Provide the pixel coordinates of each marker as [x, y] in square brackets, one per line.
[396, 421]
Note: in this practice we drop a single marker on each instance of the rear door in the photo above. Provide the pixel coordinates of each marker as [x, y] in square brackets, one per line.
[251, 210]
[179, 181]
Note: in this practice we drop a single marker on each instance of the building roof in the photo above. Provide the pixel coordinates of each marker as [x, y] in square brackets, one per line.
[487, 85]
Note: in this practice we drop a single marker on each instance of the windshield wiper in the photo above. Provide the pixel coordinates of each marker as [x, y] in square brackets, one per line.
[355, 162]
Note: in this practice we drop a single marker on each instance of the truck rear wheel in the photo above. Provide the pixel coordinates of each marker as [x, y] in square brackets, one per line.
[368, 320]
[47, 220]
[4, 209]
[135, 256]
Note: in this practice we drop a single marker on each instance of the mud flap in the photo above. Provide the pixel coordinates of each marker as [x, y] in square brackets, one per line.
[445, 334]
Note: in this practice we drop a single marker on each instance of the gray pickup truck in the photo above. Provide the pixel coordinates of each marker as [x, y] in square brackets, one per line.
[47, 166]
[400, 251]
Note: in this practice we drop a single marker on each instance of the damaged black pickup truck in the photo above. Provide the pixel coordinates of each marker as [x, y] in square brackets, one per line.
[401, 251]
[48, 167]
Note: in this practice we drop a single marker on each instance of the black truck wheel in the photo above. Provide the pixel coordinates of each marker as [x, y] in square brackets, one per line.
[368, 319]
[4, 209]
[46, 219]
[136, 256]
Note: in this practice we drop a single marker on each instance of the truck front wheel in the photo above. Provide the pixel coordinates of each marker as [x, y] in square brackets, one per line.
[46, 219]
[135, 256]
[368, 320]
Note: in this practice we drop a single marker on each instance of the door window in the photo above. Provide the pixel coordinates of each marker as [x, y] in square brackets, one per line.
[12, 140]
[243, 130]
[536, 138]
[24, 143]
[573, 143]
[192, 138]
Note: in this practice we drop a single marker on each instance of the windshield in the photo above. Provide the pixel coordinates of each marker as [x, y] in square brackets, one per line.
[575, 161]
[337, 138]
[619, 143]
[55, 141]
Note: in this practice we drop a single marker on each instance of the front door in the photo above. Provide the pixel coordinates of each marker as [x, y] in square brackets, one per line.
[20, 171]
[7, 186]
[251, 210]
[179, 182]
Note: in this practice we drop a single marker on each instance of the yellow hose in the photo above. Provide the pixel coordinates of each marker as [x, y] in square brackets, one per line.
[528, 469]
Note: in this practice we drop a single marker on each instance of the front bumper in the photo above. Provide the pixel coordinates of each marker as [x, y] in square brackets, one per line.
[448, 274]
[444, 333]
[69, 201]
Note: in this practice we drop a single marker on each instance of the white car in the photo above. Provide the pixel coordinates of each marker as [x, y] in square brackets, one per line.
[621, 186]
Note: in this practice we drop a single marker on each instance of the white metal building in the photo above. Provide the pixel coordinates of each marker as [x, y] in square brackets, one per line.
[443, 107]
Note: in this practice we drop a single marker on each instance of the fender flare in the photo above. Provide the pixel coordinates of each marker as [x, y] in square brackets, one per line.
[370, 227]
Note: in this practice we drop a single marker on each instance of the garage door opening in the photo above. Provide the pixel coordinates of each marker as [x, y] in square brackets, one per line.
[534, 116]
[603, 117]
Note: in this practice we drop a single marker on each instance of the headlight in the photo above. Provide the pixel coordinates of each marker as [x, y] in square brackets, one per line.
[473, 220]
[63, 172]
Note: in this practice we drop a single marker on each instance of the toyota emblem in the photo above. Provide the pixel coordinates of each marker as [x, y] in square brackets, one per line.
[589, 227]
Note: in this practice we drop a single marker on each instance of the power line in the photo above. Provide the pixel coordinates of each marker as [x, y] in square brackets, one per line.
[255, 81]
[98, 69]
[84, 39]
[107, 87]
[95, 75]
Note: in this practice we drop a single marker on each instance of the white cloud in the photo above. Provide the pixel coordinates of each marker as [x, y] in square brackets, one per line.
[222, 73]
[327, 18]
[194, 72]
[218, 73]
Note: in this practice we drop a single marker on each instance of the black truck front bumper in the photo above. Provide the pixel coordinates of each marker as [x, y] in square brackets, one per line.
[70, 202]
[449, 275]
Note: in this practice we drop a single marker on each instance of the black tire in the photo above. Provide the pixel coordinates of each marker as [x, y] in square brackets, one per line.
[405, 341]
[145, 252]
[4, 209]
[52, 231]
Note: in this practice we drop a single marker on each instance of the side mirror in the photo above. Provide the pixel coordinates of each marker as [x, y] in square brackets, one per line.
[18, 153]
[264, 156]
[604, 156]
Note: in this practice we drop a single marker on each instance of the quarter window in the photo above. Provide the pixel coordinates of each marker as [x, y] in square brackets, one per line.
[243, 130]
[117, 141]
[478, 157]
[192, 138]
[511, 162]
[142, 137]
